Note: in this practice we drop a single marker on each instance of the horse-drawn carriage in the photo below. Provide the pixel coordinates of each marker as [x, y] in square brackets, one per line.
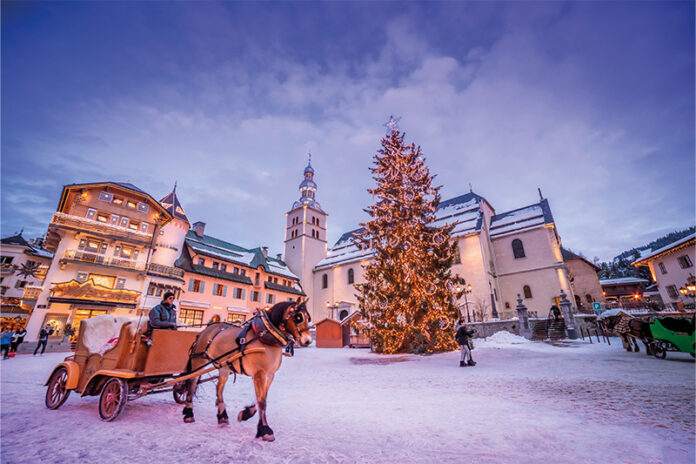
[123, 368]
[130, 366]
[672, 334]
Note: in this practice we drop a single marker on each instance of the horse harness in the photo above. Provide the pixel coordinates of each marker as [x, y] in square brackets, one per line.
[259, 328]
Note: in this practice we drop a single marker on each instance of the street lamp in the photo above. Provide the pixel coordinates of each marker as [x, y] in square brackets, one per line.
[464, 289]
[331, 308]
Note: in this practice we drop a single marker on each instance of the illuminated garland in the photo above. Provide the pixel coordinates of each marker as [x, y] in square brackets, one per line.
[408, 298]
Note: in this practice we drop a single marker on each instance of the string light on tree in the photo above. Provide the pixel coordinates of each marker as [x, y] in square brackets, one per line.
[408, 295]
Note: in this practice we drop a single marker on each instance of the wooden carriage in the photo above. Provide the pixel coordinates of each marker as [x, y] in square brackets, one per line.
[127, 370]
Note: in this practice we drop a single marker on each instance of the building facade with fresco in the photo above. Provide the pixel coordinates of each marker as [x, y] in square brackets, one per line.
[500, 255]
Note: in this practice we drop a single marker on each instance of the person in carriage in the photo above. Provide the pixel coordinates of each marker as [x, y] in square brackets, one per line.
[162, 316]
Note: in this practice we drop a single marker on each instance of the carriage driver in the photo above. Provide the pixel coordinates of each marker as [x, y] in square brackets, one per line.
[162, 316]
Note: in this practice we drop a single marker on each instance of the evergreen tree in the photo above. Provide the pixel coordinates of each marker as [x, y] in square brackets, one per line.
[408, 297]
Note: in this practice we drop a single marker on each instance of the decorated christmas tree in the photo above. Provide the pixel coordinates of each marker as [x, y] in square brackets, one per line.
[408, 297]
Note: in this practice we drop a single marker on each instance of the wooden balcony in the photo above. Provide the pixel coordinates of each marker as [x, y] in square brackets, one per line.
[163, 270]
[96, 258]
[77, 223]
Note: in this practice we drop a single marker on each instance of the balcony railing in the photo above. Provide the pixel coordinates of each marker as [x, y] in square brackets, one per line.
[31, 293]
[100, 227]
[96, 258]
[165, 270]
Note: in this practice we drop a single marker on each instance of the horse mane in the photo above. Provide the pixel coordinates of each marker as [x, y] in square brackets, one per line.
[275, 314]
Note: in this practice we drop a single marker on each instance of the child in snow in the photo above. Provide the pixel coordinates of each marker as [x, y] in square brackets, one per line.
[5, 342]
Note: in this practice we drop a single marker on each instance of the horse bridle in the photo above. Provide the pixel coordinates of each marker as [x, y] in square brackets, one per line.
[298, 316]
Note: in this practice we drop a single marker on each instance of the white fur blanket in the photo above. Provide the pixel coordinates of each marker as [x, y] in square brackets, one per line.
[98, 330]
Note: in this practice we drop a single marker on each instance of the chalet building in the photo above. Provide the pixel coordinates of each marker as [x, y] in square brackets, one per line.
[623, 289]
[23, 267]
[500, 256]
[102, 236]
[672, 268]
[584, 280]
[227, 282]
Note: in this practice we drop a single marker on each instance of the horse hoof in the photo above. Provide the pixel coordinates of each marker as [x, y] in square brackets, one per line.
[223, 419]
[245, 414]
[189, 420]
[268, 438]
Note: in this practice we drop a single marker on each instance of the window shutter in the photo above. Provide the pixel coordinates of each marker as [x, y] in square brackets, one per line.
[120, 283]
[81, 277]
[243, 294]
[215, 287]
[91, 213]
[202, 286]
[224, 290]
[190, 285]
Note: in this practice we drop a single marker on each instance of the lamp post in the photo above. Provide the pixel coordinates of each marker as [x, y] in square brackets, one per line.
[331, 308]
[464, 289]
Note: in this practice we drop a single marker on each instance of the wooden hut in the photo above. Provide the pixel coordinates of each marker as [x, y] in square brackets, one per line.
[329, 334]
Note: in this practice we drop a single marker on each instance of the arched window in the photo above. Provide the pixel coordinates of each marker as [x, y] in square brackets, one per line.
[324, 281]
[518, 248]
[351, 276]
[527, 291]
[588, 298]
[343, 314]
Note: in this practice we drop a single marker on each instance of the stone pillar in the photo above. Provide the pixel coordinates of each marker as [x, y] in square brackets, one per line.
[525, 331]
[567, 312]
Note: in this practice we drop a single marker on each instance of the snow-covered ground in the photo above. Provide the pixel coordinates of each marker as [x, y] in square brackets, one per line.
[523, 403]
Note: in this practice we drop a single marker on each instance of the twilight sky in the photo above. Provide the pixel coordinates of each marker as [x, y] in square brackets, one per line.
[591, 101]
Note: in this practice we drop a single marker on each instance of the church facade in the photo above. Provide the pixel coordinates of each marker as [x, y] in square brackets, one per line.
[500, 256]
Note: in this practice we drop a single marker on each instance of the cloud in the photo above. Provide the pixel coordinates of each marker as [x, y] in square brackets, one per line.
[510, 115]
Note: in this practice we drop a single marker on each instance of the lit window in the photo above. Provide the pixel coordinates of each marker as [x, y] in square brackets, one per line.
[81, 277]
[527, 291]
[118, 201]
[131, 204]
[120, 283]
[236, 318]
[93, 246]
[133, 225]
[103, 280]
[91, 213]
[102, 217]
[143, 207]
[124, 222]
[191, 317]
[105, 196]
[114, 220]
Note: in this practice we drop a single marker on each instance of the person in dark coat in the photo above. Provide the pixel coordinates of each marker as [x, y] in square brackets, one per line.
[463, 336]
[43, 339]
[556, 312]
[163, 316]
[6, 341]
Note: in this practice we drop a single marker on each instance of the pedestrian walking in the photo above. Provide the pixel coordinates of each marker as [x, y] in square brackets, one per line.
[463, 339]
[18, 338]
[6, 342]
[43, 339]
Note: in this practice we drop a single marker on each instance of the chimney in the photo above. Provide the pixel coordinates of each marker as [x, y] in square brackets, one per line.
[279, 256]
[199, 228]
[264, 250]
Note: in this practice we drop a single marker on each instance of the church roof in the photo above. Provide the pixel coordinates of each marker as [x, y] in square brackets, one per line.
[521, 219]
[226, 251]
[173, 206]
[19, 240]
[567, 254]
[464, 211]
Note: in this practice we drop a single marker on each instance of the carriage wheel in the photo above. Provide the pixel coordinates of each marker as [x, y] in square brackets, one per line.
[113, 399]
[180, 393]
[659, 351]
[56, 394]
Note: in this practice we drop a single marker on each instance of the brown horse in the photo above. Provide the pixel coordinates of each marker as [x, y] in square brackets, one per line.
[630, 329]
[289, 320]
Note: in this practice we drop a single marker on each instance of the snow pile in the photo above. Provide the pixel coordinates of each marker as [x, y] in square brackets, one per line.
[505, 338]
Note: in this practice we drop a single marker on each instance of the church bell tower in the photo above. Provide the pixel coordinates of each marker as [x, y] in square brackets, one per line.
[305, 233]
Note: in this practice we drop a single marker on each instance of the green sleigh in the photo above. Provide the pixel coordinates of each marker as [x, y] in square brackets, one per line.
[672, 334]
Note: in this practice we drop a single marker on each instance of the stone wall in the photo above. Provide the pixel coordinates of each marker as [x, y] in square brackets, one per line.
[486, 329]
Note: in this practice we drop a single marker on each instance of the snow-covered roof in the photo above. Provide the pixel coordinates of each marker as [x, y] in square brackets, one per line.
[684, 241]
[521, 219]
[253, 258]
[464, 211]
[623, 280]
